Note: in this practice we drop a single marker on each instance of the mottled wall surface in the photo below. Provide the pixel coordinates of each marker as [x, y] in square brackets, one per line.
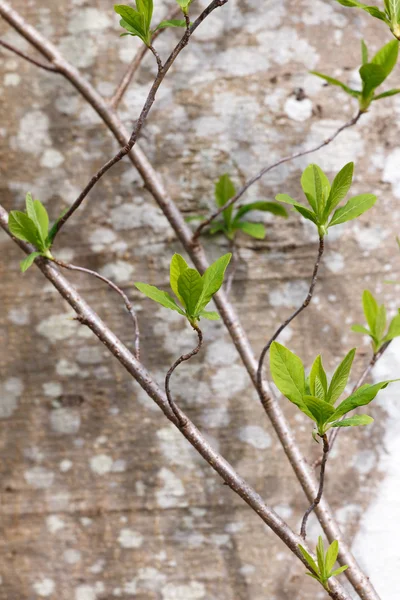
[100, 496]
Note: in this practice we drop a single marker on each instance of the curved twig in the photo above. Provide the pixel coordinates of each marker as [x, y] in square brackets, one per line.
[181, 418]
[113, 286]
[318, 497]
[33, 61]
[266, 170]
[295, 314]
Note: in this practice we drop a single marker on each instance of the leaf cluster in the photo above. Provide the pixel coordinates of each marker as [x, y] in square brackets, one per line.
[315, 396]
[323, 569]
[376, 318]
[33, 227]
[324, 198]
[192, 290]
[138, 22]
[232, 219]
[372, 74]
[391, 14]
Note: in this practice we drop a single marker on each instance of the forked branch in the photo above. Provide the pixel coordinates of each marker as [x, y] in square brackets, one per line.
[318, 497]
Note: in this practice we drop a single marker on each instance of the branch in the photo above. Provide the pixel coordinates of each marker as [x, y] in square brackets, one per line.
[182, 421]
[266, 170]
[318, 497]
[89, 317]
[156, 188]
[162, 72]
[33, 61]
[113, 286]
[295, 314]
[135, 64]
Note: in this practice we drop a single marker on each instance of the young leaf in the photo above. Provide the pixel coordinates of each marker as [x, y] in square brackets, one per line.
[321, 557]
[53, 230]
[338, 571]
[354, 208]
[210, 315]
[38, 214]
[171, 23]
[224, 191]
[354, 421]
[309, 559]
[360, 329]
[386, 57]
[134, 22]
[331, 556]
[333, 81]
[372, 77]
[340, 378]
[287, 371]
[177, 267]
[394, 329]
[23, 228]
[317, 379]
[28, 261]
[371, 309]
[372, 10]
[305, 212]
[386, 94]
[364, 52]
[212, 280]
[321, 411]
[364, 395]
[256, 230]
[380, 324]
[340, 187]
[145, 8]
[184, 4]
[315, 185]
[271, 207]
[159, 296]
[190, 286]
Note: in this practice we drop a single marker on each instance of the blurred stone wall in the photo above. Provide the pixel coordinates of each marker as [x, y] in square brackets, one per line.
[100, 496]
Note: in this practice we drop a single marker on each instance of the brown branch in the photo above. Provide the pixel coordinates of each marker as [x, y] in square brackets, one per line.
[89, 317]
[296, 312]
[162, 72]
[318, 497]
[135, 64]
[266, 170]
[113, 286]
[178, 413]
[154, 185]
[33, 61]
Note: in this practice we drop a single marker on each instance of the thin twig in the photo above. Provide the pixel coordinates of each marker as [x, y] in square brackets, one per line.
[318, 497]
[162, 72]
[295, 314]
[158, 58]
[266, 170]
[35, 62]
[182, 420]
[113, 286]
[135, 64]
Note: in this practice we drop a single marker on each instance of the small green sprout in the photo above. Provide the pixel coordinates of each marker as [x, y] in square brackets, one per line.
[322, 570]
[138, 22]
[33, 227]
[193, 291]
[391, 15]
[323, 198]
[184, 4]
[314, 396]
[372, 74]
[375, 316]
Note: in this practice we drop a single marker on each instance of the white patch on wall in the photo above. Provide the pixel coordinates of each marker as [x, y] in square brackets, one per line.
[192, 591]
[58, 327]
[39, 477]
[215, 417]
[369, 238]
[221, 352]
[44, 588]
[90, 355]
[100, 238]
[85, 592]
[10, 392]
[119, 271]
[134, 216]
[171, 493]
[52, 389]
[54, 523]
[65, 465]
[90, 20]
[228, 381]
[376, 544]
[298, 110]
[79, 50]
[66, 368]
[290, 295]
[51, 158]
[101, 464]
[284, 46]
[33, 133]
[391, 172]
[65, 421]
[11, 79]
[128, 538]
[255, 436]
[72, 556]
[348, 146]
[175, 447]
[19, 316]
[334, 261]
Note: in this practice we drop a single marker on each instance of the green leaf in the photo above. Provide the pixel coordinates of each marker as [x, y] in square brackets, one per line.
[213, 278]
[393, 8]
[316, 187]
[38, 214]
[217, 228]
[354, 422]
[372, 10]
[53, 230]
[184, 4]
[133, 21]
[171, 23]
[272, 207]
[340, 187]
[23, 228]
[387, 94]
[190, 286]
[371, 310]
[354, 208]
[309, 559]
[333, 81]
[387, 56]
[145, 8]
[331, 556]
[394, 329]
[305, 212]
[360, 329]
[380, 325]
[320, 410]
[287, 371]
[340, 378]
[177, 267]
[321, 557]
[364, 395]
[372, 76]
[318, 380]
[338, 571]
[159, 296]
[28, 261]
[210, 315]
[224, 191]
[256, 230]
[364, 52]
